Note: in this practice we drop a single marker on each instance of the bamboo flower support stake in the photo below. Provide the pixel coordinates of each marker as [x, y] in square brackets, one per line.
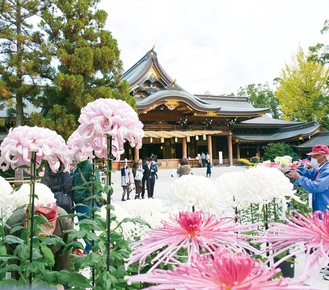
[31, 209]
[108, 197]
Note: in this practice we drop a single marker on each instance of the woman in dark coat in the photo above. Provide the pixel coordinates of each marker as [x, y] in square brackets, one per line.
[59, 181]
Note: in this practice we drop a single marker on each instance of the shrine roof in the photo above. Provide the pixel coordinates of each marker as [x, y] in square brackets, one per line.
[320, 138]
[265, 121]
[139, 71]
[284, 134]
[149, 68]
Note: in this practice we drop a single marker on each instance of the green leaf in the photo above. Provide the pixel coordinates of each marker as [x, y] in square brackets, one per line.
[35, 266]
[48, 255]
[9, 239]
[53, 241]
[75, 280]
[22, 251]
[106, 281]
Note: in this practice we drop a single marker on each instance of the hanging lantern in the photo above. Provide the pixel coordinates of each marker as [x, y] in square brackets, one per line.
[196, 137]
[151, 140]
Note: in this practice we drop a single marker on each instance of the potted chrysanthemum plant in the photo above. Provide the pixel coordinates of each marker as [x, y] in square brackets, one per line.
[105, 125]
[25, 147]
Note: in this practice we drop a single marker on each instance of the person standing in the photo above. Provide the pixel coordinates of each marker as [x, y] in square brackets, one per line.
[146, 175]
[137, 171]
[316, 179]
[83, 174]
[203, 159]
[59, 182]
[184, 168]
[153, 168]
[124, 182]
[208, 165]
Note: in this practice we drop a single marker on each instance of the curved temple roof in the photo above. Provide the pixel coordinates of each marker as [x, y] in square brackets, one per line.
[149, 69]
[299, 131]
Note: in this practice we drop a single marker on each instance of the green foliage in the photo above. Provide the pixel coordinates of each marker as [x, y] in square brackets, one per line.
[63, 62]
[272, 150]
[25, 64]
[303, 90]
[261, 96]
[90, 65]
[58, 119]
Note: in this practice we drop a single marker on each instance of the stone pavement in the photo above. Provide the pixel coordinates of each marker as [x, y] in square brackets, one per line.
[162, 185]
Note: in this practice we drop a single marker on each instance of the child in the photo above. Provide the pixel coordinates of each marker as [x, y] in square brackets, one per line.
[208, 165]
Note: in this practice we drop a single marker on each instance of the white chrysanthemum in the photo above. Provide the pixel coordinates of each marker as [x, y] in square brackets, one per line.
[5, 191]
[193, 191]
[129, 230]
[152, 211]
[227, 186]
[43, 195]
[263, 184]
[16, 199]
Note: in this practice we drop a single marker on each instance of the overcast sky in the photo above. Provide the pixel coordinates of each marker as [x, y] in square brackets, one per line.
[217, 46]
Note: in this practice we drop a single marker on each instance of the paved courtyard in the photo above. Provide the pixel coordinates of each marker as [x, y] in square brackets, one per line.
[161, 189]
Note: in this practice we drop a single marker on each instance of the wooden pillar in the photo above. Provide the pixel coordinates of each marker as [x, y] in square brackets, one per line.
[230, 149]
[209, 139]
[184, 148]
[238, 151]
[258, 152]
[136, 154]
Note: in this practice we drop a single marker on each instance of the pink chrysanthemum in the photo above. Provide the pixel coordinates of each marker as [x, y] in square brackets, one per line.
[221, 271]
[311, 230]
[17, 147]
[109, 117]
[192, 231]
[78, 149]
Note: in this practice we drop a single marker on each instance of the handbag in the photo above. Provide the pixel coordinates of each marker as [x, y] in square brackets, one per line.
[64, 201]
[139, 174]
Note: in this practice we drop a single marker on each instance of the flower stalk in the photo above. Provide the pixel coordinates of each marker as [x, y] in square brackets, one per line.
[31, 208]
[108, 197]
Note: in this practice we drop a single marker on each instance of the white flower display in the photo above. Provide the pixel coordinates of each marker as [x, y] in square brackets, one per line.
[153, 211]
[129, 230]
[227, 187]
[42, 192]
[261, 185]
[19, 198]
[194, 192]
[5, 191]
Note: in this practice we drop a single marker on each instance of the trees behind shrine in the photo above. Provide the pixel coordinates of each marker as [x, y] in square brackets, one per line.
[57, 56]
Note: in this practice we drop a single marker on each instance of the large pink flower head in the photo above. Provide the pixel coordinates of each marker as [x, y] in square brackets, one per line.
[78, 149]
[17, 147]
[311, 231]
[110, 117]
[192, 231]
[222, 270]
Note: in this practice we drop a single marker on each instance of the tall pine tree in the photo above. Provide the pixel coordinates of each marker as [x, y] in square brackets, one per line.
[24, 58]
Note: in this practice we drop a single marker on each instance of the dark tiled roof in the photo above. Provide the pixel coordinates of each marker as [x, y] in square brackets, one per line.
[320, 138]
[266, 121]
[284, 134]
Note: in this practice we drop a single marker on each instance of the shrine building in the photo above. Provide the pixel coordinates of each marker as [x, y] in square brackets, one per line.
[180, 124]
